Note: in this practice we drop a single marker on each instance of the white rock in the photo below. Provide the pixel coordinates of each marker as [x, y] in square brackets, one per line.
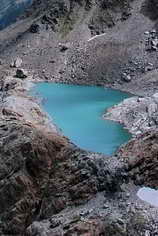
[147, 233]
[155, 42]
[155, 96]
[16, 63]
[153, 31]
[146, 33]
[152, 108]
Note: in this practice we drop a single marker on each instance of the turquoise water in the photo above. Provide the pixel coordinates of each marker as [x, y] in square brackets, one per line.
[78, 110]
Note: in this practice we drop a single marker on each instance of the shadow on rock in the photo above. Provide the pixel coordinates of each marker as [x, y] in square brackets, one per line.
[150, 9]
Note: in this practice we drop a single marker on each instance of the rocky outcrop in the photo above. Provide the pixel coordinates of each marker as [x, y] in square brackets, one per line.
[16, 63]
[27, 156]
[100, 15]
[138, 223]
[141, 157]
[136, 114]
[107, 14]
[16, 101]
[21, 73]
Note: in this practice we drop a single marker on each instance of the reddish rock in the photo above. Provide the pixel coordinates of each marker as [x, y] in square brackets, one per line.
[141, 157]
[27, 156]
[93, 227]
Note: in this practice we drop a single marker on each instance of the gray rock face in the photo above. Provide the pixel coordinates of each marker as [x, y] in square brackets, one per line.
[137, 114]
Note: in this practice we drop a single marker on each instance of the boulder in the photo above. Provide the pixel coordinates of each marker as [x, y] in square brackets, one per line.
[149, 67]
[64, 46]
[126, 77]
[21, 73]
[154, 44]
[34, 28]
[155, 96]
[152, 108]
[16, 63]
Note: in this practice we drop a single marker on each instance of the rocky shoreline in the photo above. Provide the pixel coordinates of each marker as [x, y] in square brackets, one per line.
[48, 186]
[137, 114]
[97, 197]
